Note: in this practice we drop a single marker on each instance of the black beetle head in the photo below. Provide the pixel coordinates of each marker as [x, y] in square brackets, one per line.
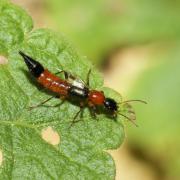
[110, 105]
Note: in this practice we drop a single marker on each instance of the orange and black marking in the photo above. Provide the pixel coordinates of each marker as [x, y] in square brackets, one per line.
[74, 90]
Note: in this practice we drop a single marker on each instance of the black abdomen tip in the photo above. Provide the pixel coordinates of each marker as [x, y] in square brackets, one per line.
[34, 67]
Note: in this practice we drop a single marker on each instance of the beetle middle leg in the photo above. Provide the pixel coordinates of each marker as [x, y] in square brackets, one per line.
[80, 112]
[93, 111]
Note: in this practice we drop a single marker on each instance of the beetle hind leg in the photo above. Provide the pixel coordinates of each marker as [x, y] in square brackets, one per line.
[43, 102]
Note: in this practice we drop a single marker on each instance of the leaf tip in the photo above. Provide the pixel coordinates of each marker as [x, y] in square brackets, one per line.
[50, 135]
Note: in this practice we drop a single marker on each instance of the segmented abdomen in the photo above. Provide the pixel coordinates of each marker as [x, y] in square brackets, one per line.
[54, 83]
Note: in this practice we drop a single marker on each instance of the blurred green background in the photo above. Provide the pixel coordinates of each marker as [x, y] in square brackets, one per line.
[136, 43]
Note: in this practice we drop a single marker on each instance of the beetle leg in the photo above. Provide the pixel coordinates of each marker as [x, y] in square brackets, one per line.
[56, 105]
[81, 110]
[43, 102]
[65, 73]
[88, 76]
[93, 111]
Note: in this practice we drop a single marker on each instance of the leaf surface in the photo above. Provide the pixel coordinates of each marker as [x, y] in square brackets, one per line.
[26, 155]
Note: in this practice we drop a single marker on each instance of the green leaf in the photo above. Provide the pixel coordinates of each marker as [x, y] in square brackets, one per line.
[26, 155]
[14, 23]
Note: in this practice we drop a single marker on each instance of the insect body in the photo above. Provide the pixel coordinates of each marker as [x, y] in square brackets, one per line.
[70, 88]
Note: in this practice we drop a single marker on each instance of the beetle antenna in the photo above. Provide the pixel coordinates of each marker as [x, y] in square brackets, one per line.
[128, 119]
[133, 100]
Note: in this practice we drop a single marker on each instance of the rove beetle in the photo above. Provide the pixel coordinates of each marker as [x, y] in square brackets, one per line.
[72, 88]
